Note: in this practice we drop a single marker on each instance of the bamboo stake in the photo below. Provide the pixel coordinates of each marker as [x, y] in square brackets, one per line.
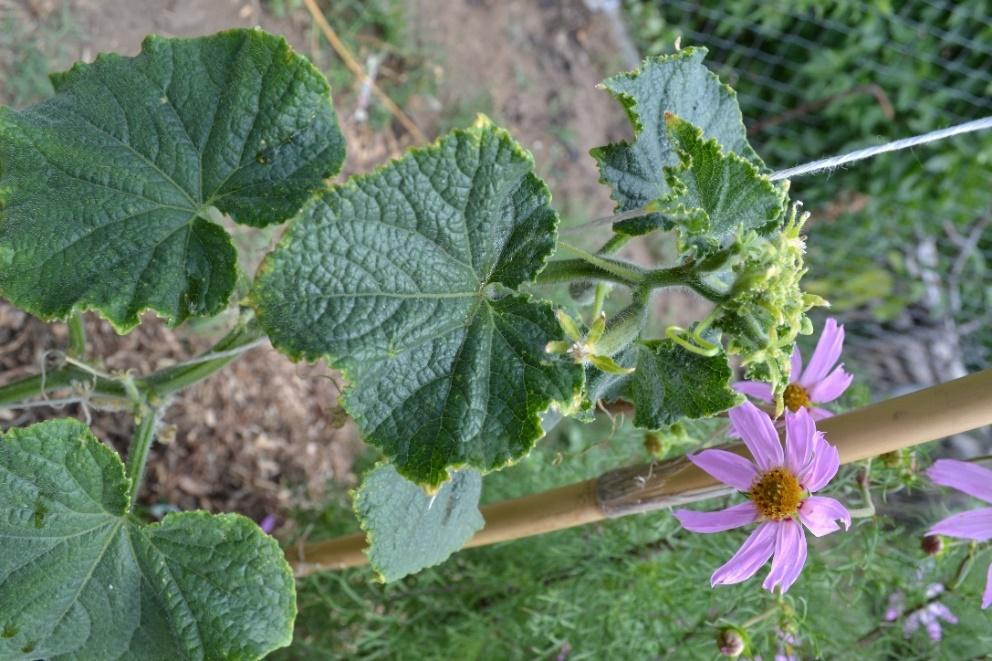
[356, 68]
[919, 417]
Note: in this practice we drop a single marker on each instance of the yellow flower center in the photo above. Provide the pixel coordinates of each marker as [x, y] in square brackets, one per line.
[776, 493]
[795, 397]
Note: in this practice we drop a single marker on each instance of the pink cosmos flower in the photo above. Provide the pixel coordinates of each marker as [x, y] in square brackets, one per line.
[976, 481]
[779, 483]
[819, 383]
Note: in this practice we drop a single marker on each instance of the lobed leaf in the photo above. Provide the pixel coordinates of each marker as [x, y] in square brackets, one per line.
[714, 195]
[81, 579]
[408, 529]
[396, 277]
[671, 383]
[109, 190]
[677, 84]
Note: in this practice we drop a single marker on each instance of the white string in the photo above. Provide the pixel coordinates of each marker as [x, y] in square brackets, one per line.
[869, 152]
[829, 163]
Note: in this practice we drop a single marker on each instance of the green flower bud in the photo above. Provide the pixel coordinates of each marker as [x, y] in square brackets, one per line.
[730, 642]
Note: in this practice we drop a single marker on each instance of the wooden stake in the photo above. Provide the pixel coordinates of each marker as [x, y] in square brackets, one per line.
[920, 417]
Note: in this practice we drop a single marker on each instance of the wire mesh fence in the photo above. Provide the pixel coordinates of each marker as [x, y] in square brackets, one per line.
[900, 243]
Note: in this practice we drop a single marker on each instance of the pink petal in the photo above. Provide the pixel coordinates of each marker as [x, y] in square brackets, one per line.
[796, 366]
[820, 514]
[728, 519]
[943, 612]
[933, 630]
[790, 556]
[826, 461]
[832, 386]
[825, 356]
[964, 476]
[753, 553]
[818, 413]
[756, 389]
[911, 624]
[987, 596]
[728, 467]
[976, 525]
[800, 433]
[758, 433]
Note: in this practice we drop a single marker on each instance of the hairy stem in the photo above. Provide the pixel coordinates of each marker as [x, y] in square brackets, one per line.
[566, 270]
[38, 385]
[243, 338]
[77, 335]
[137, 452]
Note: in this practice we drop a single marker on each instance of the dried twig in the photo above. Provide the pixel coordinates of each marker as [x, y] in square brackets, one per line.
[356, 68]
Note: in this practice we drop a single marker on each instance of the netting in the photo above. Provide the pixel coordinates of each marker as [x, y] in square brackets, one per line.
[898, 243]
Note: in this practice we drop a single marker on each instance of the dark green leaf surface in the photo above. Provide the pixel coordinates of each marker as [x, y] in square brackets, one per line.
[671, 383]
[678, 84]
[409, 529]
[107, 190]
[80, 579]
[389, 276]
[713, 193]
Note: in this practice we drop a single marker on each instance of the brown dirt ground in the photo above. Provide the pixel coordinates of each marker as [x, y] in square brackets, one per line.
[266, 435]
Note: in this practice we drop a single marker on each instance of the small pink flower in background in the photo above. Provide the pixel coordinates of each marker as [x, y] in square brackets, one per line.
[268, 523]
[897, 604]
[778, 483]
[976, 525]
[819, 383]
[928, 615]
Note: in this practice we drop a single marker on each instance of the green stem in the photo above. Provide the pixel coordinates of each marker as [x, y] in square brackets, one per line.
[868, 510]
[760, 617]
[40, 384]
[566, 270]
[243, 338]
[614, 243]
[159, 384]
[77, 335]
[963, 569]
[707, 291]
[137, 452]
[676, 275]
[599, 298]
[629, 273]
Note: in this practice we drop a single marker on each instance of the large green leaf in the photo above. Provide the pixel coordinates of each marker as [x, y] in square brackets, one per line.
[677, 84]
[408, 529]
[671, 383]
[714, 194]
[109, 190]
[81, 579]
[399, 278]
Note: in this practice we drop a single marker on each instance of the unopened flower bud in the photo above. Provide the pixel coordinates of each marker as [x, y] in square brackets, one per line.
[730, 642]
[932, 544]
[891, 459]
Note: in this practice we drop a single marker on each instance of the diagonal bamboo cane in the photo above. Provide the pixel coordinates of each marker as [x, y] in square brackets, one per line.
[919, 417]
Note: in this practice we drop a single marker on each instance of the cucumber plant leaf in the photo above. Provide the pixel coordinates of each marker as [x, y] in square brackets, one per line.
[714, 194]
[110, 190]
[678, 84]
[400, 278]
[409, 529]
[671, 384]
[82, 579]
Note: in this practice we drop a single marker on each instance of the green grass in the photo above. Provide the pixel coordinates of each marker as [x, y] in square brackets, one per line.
[631, 588]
